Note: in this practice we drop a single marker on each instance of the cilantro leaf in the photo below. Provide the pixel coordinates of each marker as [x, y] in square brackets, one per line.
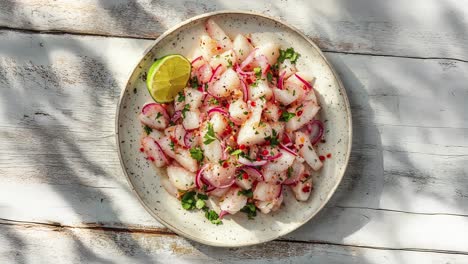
[289, 54]
[236, 152]
[213, 217]
[285, 116]
[147, 129]
[210, 135]
[269, 77]
[194, 82]
[199, 204]
[273, 139]
[247, 193]
[196, 153]
[202, 196]
[258, 72]
[171, 144]
[186, 108]
[250, 210]
[290, 170]
[188, 200]
[180, 97]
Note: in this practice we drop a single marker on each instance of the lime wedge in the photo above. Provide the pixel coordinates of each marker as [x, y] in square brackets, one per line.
[167, 77]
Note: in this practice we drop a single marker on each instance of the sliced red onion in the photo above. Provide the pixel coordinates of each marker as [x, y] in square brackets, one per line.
[253, 172]
[157, 107]
[228, 185]
[176, 116]
[199, 180]
[287, 149]
[215, 72]
[303, 81]
[188, 139]
[224, 155]
[244, 73]
[196, 59]
[281, 80]
[263, 63]
[252, 163]
[245, 90]
[279, 154]
[218, 110]
[280, 191]
[162, 152]
[316, 138]
[222, 214]
[248, 59]
[292, 180]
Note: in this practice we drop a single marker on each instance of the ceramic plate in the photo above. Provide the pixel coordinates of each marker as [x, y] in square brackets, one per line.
[236, 230]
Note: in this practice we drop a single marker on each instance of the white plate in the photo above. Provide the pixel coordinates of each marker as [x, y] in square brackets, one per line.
[236, 230]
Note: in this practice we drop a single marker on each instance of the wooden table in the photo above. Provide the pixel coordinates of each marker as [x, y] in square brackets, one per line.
[63, 196]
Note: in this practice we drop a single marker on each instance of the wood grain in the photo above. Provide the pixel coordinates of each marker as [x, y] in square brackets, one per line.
[58, 159]
[42, 244]
[421, 28]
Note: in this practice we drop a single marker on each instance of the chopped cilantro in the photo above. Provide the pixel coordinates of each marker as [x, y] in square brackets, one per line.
[194, 82]
[214, 101]
[158, 115]
[181, 96]
[210, 135]
[236, 152]
[254, 84]
[213, 217]
[147, 129]
[290, 170]
[199, 204]
[270, 77]
[196, 153]
[188, 200]
[229, 61]
[289, 54]
[202, 196]
[285, 116]
[273, 139]
[186, 108]
[172, 145]
[250, 210]
[206, 86]
[258, 72]
[247, 193]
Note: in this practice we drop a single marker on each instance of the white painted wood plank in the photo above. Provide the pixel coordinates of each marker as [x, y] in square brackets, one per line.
[57, 153]
[38, 244]
[423, 28]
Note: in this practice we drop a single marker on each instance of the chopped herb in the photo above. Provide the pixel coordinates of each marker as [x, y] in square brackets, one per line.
[229, 61]
[246, 113]
[186, 108]
[172, 145]
[202, 196]
[263, 98]
[199, 204]
[196, 153]
[274, 67]
[289, 54]
[217, 56]
[247, 193]
[147, 129]
[214, 101]
[210, 135]
[273, 139]
[254, 84]
[236, 152]
[290, 170]
[181, 96]
[258, 72]
[269, 77]
[285, 116]
[250, 210]
[158, 115]
[194, 83]
[206, 86]
[213, 217]
[188, 200]
[241, 52]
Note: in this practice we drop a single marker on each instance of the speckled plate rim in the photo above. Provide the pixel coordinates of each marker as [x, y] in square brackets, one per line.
[295, 30]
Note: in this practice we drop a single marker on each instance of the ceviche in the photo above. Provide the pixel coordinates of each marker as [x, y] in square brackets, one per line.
[243, 128]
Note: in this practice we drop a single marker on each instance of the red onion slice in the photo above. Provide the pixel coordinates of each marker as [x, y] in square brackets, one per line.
[218, 110]
[196, 59]
[287, 149]
[263, 63]
[199, 177]
[280, 191]
[222, 214]
[176, 116]
[269, 158]
[316, 138]
[281, 80]
[189, 139]
[303, 81]
[253, 172]
[252, 163]
[248, 59]
[227, 185]
[215, 72]
[157, 107]
[245, 91]
[162, 152]
[244, 73]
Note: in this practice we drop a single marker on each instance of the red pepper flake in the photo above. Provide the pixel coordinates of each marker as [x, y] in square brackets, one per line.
[249, 40]
[299, 113]
[286, 140]
[329, 155]
[249, 81]
[245, 176]
[218, 48]
[258, 159]
[151, 158]
[253, 104]
[322, 158]
[265, 152]
[142, 149]
[306, 188]
[242, 147]
[225, 164]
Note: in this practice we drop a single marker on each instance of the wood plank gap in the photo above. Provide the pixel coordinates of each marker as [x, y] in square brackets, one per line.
[398, 211]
